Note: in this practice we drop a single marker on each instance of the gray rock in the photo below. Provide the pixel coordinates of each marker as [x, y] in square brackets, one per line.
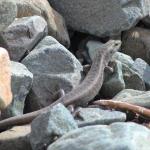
[132, 79]
[92, 47]
[101, 17]
[114, 82]
[125, 59]
[22, 35]
[136, 43]
[8, 12]
[146, 21]
[117, 136]
[141, 98]
[97, 116]
[54, 67]
[48, 126]
[21, 82]
[144, 70]
[56, 24]
[16, 138]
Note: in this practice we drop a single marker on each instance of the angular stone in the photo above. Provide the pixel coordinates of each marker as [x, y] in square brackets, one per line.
[97, 116]
[15, 138]
[136, 43]
[125, 59]
[141, 98]
[117, 136]
[54, 68]
[8, 12]
[5, 79]
[48, 126]
[22, 35]
[56, 23]
[101, 17]
[114, 82]
[132, 79]
[144, 70]
[21, 82]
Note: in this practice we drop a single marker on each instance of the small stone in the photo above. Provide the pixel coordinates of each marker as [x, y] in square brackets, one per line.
[117, 136]
[132, 79]
[8, 12]
[22, 35]
[21, 82]
[114, 82]
[123, 58]
[16, 138]
[97, 116]
[136, 43]
[5, 79]
[141, 98]
[56, 23]
[92, 47]
[50, 125]
[54, 68]
[144, 70]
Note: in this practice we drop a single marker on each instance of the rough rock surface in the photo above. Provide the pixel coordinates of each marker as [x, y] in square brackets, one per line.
[132, 79]
[54, 68]
[48, 126]
[136, 43]
[101, 17]
[117, 136]
[146, 21]
[141, 98]
[125, 59]
[5, 79]
[16, 138]
[144, 70]
[97, 116]
[22, 35]
[21, 82]
[56, 23]
[114, 82]
[8, 12]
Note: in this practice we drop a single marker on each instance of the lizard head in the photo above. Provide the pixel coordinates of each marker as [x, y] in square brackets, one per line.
[111, 47]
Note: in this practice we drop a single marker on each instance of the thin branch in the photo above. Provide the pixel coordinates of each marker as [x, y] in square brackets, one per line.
[124, 106]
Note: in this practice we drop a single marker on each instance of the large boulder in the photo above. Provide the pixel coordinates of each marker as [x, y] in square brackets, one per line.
[101, 17]
[56, 23]
[22, 35]
[5, 79]
[21, 82]
[8, 12]
[54, 68]
[117, 136]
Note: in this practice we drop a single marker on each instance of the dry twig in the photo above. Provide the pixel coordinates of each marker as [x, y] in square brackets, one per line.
[124, 106]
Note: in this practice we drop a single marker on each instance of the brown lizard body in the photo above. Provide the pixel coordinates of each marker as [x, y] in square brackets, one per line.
[82, 94]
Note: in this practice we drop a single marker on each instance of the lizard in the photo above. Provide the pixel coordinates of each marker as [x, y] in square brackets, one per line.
[82, 94]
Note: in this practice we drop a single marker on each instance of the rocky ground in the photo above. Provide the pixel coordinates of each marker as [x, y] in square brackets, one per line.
[46, 50]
